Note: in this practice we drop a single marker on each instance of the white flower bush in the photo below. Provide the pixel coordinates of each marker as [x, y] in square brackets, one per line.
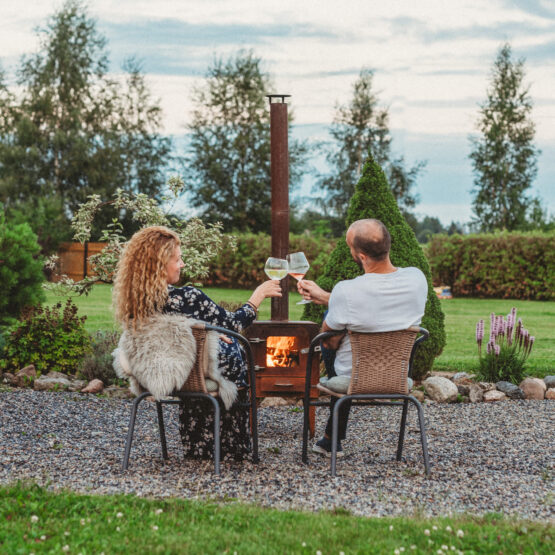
[200, 243]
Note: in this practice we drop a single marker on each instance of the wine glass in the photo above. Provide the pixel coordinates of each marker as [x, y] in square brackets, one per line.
[298, 267]
[276, 268]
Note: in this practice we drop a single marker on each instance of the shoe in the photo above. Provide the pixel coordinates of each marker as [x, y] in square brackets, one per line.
[323, 447]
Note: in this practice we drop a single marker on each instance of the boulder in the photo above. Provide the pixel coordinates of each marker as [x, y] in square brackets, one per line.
[463, 389]
[418, 395]
[9, 379]
[460, 376]
[494, 395]
[94, 386]
[549, 381]
[26, 376]
[510, 390]
[276, 402]
[115, 392]
[441, 389]
[550, 393]
[533, 388]
[77, 385]
[475, 393]
[57, 375]
[486, 386]
[47, 383]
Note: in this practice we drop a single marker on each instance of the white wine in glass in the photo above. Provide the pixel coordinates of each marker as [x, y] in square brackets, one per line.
[298, 267]
[276, 268]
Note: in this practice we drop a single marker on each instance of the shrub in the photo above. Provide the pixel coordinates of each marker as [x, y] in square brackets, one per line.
[506, 353]
[97, 364]
[49, 338]
[502, 265]
[244, 267]
[373, 199]
[20, 270]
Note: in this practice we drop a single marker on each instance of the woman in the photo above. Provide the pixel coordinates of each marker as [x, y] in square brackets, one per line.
[148, 268]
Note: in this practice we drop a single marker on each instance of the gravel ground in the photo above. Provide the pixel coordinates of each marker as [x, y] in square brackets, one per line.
[484, 457]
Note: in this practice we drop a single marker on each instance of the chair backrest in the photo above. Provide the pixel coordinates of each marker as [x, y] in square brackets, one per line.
[381, 361]
[195, 382]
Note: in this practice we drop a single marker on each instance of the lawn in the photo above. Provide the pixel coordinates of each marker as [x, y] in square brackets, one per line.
[461, 315]
[33, 519]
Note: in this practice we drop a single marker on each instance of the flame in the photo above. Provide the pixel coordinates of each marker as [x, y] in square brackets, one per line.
[278, 350]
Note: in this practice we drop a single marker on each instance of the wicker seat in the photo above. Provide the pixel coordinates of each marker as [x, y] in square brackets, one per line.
[196, 387]
[382, 362]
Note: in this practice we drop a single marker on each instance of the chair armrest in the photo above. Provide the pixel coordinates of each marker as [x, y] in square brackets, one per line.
[247, 346]
[313, 344]
[425, 334]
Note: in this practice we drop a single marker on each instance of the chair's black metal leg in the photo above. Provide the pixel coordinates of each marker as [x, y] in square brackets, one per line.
[254, 426]
[129, 440]
[162, 430]
[334, 432]
[423, 436]
[306, 416]
[216, 435]
[402, 430]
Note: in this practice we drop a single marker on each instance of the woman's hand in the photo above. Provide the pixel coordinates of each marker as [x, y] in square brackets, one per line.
[270, 288]
[312, 292]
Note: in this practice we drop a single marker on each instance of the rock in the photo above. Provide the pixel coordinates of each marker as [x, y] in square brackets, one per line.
[276, 402]
[475, 393]
[533, 388]
[57, 375]
[463, 389]
[549, 381]
[77, 385]
[115, 392]
[94, 386]
[486, 386]
[47, 383]
[9, 378]
[26, 376]
[460, 376]
[494, 395]
[510, 390]
[441, 389]
[441, 374]
[550, 393]
[418, 395]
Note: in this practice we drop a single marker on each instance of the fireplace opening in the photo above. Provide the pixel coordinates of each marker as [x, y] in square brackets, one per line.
[282, 351]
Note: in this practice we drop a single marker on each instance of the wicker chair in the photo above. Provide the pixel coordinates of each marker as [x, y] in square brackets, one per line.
[197, 386]
[381, 364]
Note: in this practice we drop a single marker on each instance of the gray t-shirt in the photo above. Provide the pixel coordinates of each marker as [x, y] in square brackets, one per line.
[375, 302]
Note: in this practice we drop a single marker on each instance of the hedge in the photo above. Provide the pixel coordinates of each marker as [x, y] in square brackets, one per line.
[244, 268]
[501, 265]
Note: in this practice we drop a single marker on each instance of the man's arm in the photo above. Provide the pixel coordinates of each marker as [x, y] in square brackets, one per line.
[332, 343]
[312, 292]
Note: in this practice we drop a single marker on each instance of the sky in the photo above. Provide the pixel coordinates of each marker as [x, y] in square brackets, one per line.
[431, 59]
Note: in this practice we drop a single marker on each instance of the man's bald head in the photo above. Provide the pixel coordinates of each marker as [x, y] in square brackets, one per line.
[371, 238]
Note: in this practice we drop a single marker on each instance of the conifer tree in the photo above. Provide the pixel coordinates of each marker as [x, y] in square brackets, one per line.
[373, 199]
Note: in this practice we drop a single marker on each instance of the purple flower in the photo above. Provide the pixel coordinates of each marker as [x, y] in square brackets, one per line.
[497, 350]
[479, 332]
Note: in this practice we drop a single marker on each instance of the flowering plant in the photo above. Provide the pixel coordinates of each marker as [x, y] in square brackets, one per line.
[200, 243]
[507, 349]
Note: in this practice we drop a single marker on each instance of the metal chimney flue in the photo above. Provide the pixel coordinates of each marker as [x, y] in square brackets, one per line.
[279, 165]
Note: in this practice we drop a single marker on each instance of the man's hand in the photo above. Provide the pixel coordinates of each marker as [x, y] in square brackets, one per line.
[312, 292]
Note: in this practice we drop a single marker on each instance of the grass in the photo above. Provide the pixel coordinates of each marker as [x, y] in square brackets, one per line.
[33, 519]
[461, 315]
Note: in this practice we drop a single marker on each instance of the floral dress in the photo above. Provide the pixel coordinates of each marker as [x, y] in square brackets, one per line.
[196, 418]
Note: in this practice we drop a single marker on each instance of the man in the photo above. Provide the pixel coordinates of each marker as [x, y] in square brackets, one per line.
[384, 298]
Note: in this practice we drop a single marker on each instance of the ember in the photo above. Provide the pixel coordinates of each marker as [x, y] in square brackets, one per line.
[282, 351]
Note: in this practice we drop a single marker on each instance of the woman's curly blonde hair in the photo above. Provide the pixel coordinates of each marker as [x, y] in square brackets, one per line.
[140, 285]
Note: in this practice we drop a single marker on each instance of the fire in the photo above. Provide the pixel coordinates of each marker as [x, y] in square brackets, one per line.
[281, 351]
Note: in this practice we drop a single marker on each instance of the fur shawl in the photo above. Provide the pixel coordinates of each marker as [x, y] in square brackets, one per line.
[159, 355]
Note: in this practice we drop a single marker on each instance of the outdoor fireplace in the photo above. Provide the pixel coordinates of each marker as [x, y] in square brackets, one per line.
[280, 347]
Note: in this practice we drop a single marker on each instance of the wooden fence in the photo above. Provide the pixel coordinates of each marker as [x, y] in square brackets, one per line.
[74, 260]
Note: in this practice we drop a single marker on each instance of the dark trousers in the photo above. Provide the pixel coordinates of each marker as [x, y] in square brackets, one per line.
[328, 356]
